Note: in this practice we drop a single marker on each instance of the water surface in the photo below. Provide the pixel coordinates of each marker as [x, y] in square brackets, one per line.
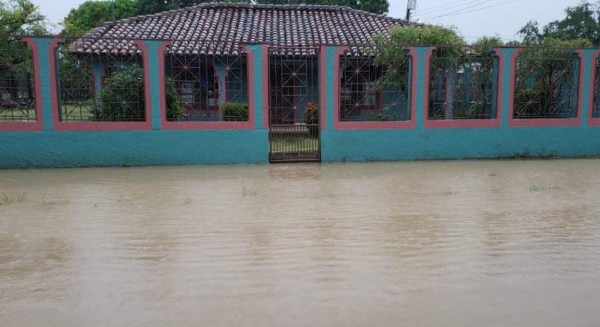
[463, 243]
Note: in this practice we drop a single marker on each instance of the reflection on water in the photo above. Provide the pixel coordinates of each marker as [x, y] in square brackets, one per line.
[476, 243]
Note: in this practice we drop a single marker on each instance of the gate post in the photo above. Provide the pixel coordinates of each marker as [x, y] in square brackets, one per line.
[258, 76]
[46, 88]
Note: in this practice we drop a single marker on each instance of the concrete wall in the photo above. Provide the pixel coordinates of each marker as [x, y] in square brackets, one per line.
[52, 143]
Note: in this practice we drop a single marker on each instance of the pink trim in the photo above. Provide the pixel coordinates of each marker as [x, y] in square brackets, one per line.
[323, 87]
[352, 125]
[462, 123]
[265, 84]
[206, 125]
[102, 126]
[591, 120]
[54, 82]
[36, 125]
[162, 88]
[545, 122]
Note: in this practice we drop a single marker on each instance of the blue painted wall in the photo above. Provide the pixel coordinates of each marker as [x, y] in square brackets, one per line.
[51, 148]
[457, 143]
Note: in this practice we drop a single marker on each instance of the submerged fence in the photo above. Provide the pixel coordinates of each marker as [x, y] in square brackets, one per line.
[104, 80]
[296, 97]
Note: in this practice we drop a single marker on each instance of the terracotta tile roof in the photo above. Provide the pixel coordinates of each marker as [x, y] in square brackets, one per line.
[222, 28]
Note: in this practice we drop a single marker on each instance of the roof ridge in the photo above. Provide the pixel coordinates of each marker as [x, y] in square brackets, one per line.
[254, 6]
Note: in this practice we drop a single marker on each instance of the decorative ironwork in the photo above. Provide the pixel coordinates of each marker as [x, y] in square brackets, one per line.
[103, 83]
[205, 83]
[462, 84]
[370, 92]
[547, 83]
[293, 104]
[596, 108]
[17, 89]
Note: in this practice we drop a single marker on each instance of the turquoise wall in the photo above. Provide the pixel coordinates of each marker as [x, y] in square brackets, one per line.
[50, 147]
[458, 143]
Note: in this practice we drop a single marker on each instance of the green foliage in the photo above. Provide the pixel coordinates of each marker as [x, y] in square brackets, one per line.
[580, 22]
[123, 96]
[311, 114]
[73, 70]
[17, 18]
[145, 7]
[234, 111]
[389, 49]
[375, 6]
[542, 71]
[174, 107]
[385, 115]
[484, 44]
[154, 6]
[92, 14]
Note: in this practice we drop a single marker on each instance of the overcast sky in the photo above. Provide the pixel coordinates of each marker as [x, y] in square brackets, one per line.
[473, 18]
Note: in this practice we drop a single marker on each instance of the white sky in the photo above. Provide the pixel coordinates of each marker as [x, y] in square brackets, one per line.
[473, 18]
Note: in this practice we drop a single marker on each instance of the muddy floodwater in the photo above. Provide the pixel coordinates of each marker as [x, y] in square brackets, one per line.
[462, 243]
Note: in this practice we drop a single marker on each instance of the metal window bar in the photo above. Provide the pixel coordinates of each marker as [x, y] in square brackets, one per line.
[210, 81]
[547, 83]
[370, 92]
[100, 80]
[596, 108]
[294, 104]
[17, 85]
[462, 84]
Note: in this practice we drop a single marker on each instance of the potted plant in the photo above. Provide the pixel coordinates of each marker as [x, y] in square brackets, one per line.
[311, 118]
[234, 112]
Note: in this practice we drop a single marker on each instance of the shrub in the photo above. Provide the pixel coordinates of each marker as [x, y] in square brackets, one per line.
[311, 114]
[234, 111]
[123, 96]
[545, 76]
[174, 106]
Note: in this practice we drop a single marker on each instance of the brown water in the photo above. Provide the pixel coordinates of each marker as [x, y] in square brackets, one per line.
[476, 243]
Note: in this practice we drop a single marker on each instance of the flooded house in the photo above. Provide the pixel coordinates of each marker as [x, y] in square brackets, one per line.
[221, 83]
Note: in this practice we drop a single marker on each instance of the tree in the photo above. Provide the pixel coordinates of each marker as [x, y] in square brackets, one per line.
[146, 7]
[17, 18]
[154, 6]
[123, 97]
[375, 6]
[580, 22]
[92, 14]
[544, 76]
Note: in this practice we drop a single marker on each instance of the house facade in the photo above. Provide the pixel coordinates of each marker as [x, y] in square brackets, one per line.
[234, 83]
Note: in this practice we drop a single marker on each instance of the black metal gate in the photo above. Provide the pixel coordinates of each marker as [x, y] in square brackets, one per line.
[294, 104]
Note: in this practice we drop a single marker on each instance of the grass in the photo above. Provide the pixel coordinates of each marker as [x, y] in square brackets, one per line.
[246, 191]
[75, 112]
[17, 114]
[9, 198]
[538, 188]
[294, 143]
